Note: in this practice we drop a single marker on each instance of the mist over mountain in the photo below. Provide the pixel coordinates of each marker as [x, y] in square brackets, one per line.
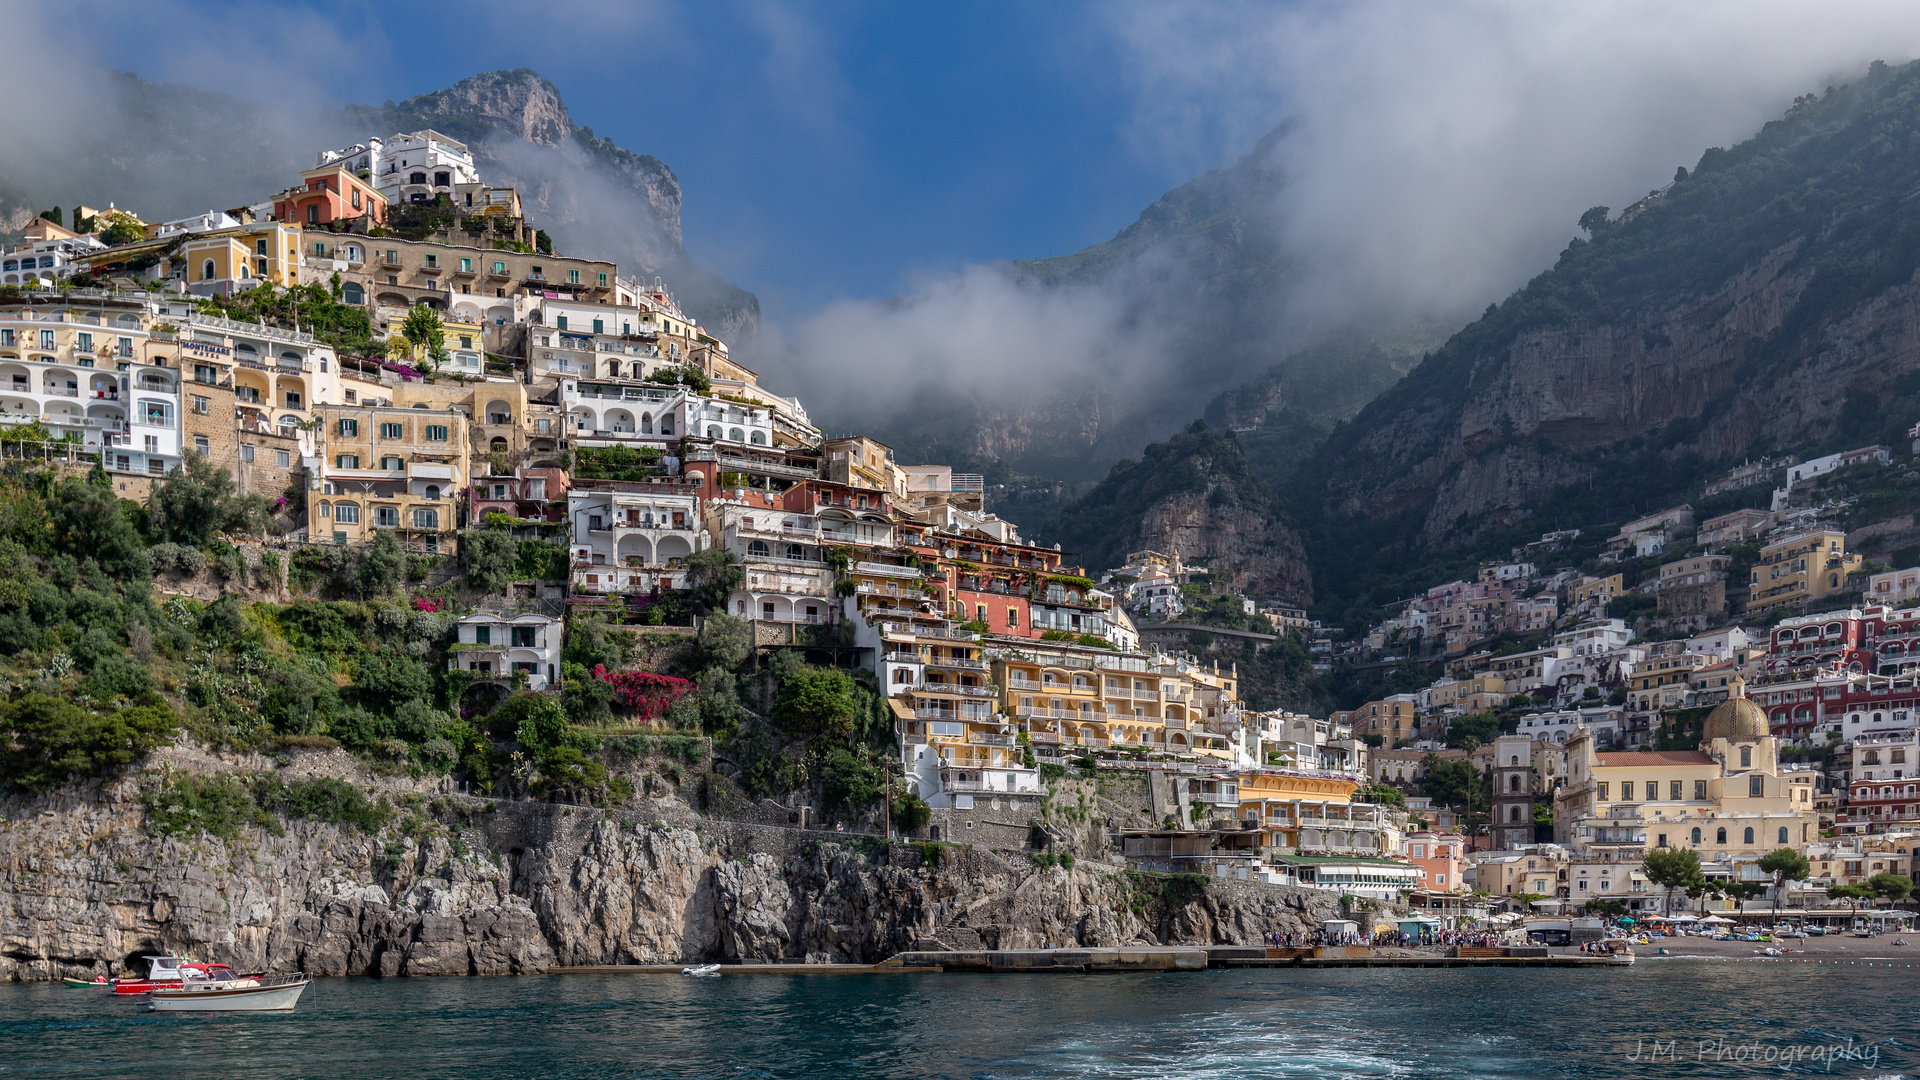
[164, 151]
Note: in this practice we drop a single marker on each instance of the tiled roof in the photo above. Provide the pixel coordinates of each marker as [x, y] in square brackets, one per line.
[1655, 757]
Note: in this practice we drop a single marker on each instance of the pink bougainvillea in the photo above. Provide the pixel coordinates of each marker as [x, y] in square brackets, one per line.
[646, 695]
[425, 603]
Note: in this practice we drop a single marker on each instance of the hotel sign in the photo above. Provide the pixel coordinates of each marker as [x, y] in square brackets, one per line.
[202, 348]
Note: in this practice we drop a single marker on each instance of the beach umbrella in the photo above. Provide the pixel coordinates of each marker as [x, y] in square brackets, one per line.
[1715, 920]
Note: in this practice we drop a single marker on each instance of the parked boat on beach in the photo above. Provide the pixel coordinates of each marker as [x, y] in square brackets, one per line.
[225, 992]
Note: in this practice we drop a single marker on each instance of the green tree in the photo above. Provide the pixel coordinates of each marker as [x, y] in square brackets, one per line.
[122, 228]
[1784, 865]
[426, 339]
[725, 641]
[383, 567]
[1594, 221]
[198, 499]
[816, 704]
[1673, 869]
[1889, 886]
[1852, 893]
[1454, 783]
[45, 741]
[1480, 727]
[490, 556]
[714, 574]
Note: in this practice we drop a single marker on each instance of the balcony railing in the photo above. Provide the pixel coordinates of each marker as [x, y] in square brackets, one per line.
[952, 688]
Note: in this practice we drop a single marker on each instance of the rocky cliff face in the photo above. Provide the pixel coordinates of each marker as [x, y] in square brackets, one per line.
[468, 886]
[591, 195]
[1761, 304]
[1194, 495]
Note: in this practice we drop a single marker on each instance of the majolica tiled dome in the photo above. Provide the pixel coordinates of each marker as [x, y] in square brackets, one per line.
[1736, 718]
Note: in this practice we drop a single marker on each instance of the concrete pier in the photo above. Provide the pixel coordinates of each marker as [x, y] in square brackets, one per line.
[1106, 961]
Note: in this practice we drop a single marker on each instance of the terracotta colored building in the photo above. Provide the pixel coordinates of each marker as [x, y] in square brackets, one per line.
[327, 194]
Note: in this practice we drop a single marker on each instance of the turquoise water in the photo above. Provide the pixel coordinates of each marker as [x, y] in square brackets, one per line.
[1454, 1023]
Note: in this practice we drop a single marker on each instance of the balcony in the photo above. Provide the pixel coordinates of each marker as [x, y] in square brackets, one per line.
[964, 665]
[989, 739]
[952, 688]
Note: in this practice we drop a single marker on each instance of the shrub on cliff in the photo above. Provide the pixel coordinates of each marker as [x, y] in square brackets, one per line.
[218, 805]
[45, 741]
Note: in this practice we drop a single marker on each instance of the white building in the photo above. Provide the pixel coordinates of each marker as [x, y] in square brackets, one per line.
[416, 167]
[1807, 470]
[507, 646]
[1595, 638]
[1720, 645]
[1557, 727]
[1894, 588]
[44, 262]
[632, 537]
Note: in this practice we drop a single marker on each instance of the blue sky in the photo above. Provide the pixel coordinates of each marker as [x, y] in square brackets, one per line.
[825, 150]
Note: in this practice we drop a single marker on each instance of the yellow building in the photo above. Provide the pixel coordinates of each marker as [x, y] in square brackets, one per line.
[1080, 697]
[1800, 568]
[1393, 720]
[462, 341]
[390, 467]
[1597, 590]
[1311, 813]
[1728, 800]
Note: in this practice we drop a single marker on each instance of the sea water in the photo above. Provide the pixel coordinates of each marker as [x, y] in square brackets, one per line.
[1657, 1019]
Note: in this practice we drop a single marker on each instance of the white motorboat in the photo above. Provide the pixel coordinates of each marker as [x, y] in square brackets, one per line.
[703, 969]
[223, 992]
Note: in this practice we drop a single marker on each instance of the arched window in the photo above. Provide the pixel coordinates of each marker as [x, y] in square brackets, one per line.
[713, 432]
[326, 510]
[1749, 835]
[796, 552]
[352, 293]
[1783, 834]
[736, 435]
[758, 437]
[646, 423]
[1513, 783]
[1696, 836]
[206, 270]
[1513, 813]
[1720, 836]
[759, 549]
[433, 492]
[1515, 760]
[1746, 757]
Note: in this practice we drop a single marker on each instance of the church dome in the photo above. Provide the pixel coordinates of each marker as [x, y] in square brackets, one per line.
[1736, 718]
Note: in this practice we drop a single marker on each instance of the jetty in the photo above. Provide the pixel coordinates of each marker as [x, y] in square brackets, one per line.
[1143, 959]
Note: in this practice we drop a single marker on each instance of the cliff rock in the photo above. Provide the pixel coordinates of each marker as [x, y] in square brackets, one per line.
[475, 887]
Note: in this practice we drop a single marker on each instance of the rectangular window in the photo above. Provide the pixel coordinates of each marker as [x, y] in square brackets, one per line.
[347, 513]
[393, 464]
[202, 405]
[159, 414]
[386, 517]
[259, 247]
[1700, 790]
[6, 338]
[499, 267]
[282, 458]
[433, 262]
[1626, 791]
[599, 326]
[200, 445]
[466, 341]
[483, 635]
[319, 248]
[246, 453]
[1013, 618]
[260, 267]
[156, 467]
[1603, 791]
[392, 431]
[1674, 791]
[46, 339]
[560, 322]
[426, 519]
[436, 433]
[523, 637]
[348, 428]
[126, 346]
[293, 399]
[83, 341]
[1756, 786]
[573, 277]
[346, 461]
[603, 281]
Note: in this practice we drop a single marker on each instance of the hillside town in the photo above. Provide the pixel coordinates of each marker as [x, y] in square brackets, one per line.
[1733, 686]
